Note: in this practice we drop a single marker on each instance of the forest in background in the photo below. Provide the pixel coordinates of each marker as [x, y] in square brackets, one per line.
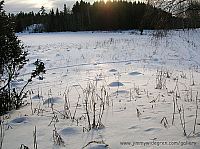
[110, 15]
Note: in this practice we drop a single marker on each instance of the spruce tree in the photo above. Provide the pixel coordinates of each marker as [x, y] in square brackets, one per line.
[12, 59]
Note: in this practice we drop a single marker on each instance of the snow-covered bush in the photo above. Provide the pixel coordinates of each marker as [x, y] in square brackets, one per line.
[35, 28]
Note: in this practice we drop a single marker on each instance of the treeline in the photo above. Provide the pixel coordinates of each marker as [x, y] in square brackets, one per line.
[110, 15]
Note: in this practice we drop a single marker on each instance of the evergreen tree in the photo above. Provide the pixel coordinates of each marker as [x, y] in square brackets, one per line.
[42, 11]
[12, 59]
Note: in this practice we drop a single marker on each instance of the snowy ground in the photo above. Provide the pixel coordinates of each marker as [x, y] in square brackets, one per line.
[118, 72]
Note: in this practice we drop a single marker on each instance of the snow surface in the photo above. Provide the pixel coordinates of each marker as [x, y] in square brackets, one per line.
[123, 64]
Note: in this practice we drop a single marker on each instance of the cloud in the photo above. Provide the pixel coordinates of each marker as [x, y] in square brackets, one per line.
[12, 6]
[15, 6]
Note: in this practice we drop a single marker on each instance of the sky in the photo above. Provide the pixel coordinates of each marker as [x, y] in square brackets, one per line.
[15, 6]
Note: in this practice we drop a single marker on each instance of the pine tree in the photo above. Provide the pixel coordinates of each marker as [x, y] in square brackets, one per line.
[42, 11]
[12, 59]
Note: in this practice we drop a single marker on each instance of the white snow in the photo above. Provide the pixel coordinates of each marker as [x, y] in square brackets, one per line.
[122, 70]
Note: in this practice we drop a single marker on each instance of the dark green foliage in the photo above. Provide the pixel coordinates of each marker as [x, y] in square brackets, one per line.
[193, 12]
[12, 55]
[5, 102]
[40, 69]
[12, 59]
[17, 97]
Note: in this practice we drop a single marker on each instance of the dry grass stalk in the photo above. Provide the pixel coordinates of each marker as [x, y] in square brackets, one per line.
[174, 111]
[138, 113]
[57, 138]
[164, 122]
[94, 99]
[24, 146]
[196, 114]
[35, 146]
[2, 133]
[54, 119]
[67, 111]
[161, 80]
[96, 142]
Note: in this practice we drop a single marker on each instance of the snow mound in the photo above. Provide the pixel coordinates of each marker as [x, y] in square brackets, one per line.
[16, 82]
[98, 146]
[155, 59]
[112, 70]
[134, 127]
[121, 92]
[20, 80]
[37, 97]
[152, 129]
[19, 120]
[148, 117]
[135, 73]
[116, 84]
[52, 100]
[70, 131]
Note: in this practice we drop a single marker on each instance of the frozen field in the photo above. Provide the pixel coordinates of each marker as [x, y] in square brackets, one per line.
[132, 90]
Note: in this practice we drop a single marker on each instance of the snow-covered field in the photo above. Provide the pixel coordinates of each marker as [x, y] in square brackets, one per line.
[136, 91]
